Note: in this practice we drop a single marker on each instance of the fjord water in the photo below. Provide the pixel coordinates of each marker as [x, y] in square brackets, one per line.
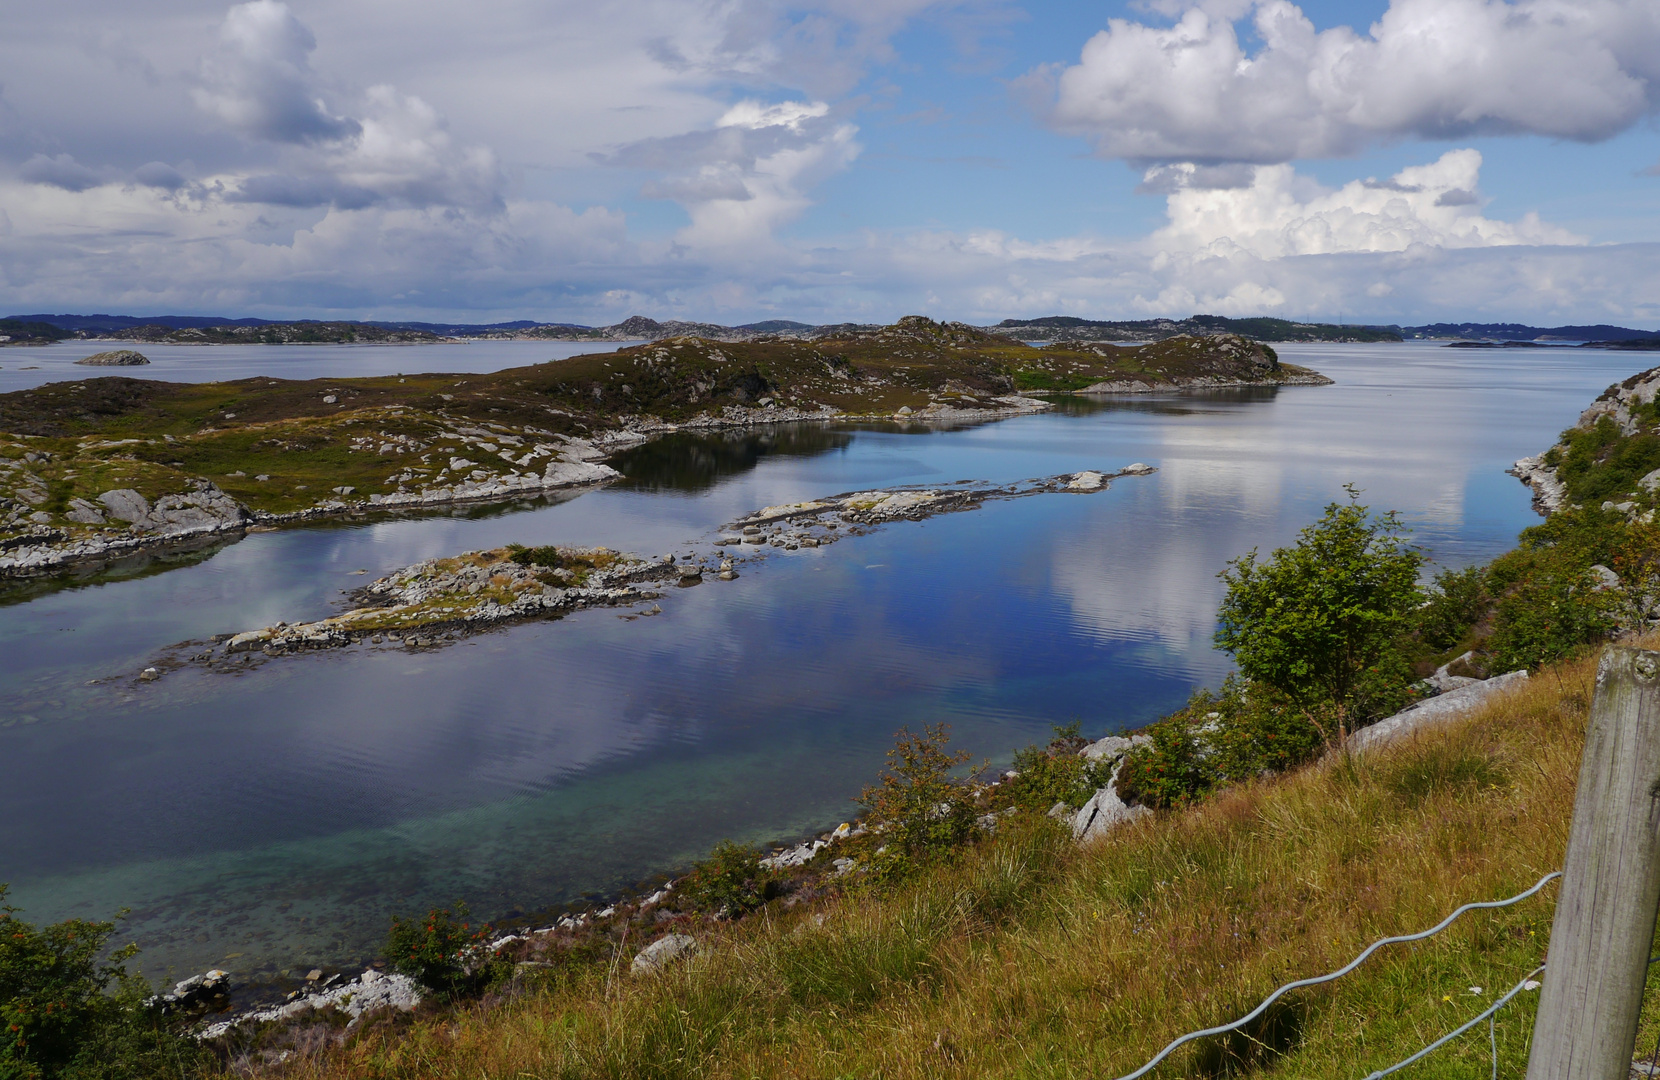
[275, 819]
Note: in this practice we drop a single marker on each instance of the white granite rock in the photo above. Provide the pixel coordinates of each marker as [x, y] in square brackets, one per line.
[1431, 711]
[661, 952]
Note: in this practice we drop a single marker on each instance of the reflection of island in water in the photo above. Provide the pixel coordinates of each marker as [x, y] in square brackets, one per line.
[1162, 404]
[689, 462]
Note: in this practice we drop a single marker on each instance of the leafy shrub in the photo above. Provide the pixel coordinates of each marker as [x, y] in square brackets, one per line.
[66, 1014]
[1313, 618]
[1242, 732]
[1046, 775]
[1551, 609]
[1604, 463]
[919, 811]
[730, 882]
[548, 557]
[1457, 602]
[1174, 769]
[442, 952]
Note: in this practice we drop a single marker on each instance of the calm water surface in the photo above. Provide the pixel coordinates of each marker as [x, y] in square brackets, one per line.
[275, 819]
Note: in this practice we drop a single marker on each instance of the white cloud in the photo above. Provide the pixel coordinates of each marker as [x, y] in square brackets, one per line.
[1278, 213]
[1577, 69]
[751, 173]
[260, 82]
[398, 150]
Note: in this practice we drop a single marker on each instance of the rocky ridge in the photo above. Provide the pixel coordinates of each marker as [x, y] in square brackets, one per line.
[1630, 406]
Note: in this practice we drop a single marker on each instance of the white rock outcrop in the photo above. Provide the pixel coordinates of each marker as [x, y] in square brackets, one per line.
[662, 952]
[1431, 711]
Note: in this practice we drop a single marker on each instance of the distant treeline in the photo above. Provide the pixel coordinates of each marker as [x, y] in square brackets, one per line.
[1059, 328]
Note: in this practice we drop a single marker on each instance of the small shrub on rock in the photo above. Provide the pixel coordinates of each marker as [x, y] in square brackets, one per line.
[919, 812]
[1046, 775]
[442, 952]
[547, 557]
[730, 882]
[1244, 731]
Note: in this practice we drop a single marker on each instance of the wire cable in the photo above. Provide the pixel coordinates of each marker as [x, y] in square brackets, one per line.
[1342, 971]
[1456, 1032]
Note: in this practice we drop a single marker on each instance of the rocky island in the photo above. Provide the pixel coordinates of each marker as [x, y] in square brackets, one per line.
[104, 467]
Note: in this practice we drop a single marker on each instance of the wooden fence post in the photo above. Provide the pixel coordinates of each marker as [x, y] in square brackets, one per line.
[1597, 962]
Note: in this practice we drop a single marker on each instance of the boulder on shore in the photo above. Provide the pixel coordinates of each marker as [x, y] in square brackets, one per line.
[116, 358]
[661, 952]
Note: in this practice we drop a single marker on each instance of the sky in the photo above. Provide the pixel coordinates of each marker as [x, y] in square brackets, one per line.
[1401, 161]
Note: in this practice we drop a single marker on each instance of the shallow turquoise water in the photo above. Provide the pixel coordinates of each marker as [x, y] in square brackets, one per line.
[277, 818]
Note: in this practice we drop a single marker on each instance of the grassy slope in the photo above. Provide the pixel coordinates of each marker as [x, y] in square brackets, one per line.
[308, 446]
[1037, 959]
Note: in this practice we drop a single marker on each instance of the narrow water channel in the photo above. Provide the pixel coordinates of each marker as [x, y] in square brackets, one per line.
[275, 819]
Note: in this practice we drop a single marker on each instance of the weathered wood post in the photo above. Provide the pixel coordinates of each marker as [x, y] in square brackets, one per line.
[1599, 941]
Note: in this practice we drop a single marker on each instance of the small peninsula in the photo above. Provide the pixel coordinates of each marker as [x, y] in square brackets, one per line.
[104, 467]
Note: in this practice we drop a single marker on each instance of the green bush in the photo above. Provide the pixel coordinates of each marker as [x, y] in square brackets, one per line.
[1550, 604]
[1242, 732]
[1457, 602]
[68, 1011]
[442, 952]
[1046, 775]
[1551, 609]
[918, 812]
[1313, 618]
[730, 882]
[548, 557]
[1604, 463]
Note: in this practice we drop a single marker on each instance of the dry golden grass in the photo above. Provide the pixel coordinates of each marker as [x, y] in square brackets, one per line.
[1033, 958]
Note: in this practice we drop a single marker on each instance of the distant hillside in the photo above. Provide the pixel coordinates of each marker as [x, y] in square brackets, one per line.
[29, 332]
[1519, 332]
[1052, 328]
[1068, 328]
[125, 325]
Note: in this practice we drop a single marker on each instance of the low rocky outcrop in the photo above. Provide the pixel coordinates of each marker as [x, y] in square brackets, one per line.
[128, 523]
[1550, 494]
[1435, 710]
[1106, 810]
[439, 600]
[370, 992]
[116, 358]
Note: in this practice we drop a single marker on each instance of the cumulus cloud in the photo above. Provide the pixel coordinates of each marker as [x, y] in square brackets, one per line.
[753, 171]
[1576, 69]
[260, 81]
[61, 171]
[397, 150]
[1279, 213]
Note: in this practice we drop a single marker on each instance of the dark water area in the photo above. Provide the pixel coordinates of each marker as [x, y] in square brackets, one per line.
[276, 819]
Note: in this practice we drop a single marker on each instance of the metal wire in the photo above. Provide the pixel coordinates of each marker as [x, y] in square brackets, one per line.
[1456, 1032]
[1344, 970]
